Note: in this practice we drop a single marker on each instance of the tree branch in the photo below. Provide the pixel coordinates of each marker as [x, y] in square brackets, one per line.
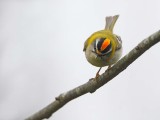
[92, 85]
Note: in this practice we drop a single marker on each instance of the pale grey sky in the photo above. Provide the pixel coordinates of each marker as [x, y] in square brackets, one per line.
[41, 43]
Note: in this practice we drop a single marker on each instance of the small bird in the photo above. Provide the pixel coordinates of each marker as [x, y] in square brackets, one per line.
[104, 48]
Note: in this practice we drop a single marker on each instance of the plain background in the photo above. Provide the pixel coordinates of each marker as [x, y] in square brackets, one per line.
[41, 43]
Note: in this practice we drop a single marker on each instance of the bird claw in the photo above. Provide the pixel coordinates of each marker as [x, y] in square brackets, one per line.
[97, 75]
[109, 67]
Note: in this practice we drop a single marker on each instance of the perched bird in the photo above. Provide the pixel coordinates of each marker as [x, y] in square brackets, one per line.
[104, 48]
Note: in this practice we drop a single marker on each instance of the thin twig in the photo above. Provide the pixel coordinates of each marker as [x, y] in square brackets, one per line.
[92, 85]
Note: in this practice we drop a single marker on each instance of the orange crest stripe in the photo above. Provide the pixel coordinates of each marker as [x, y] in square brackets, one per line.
[105, 44]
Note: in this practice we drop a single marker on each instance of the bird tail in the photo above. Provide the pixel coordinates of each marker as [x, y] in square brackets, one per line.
[110, 22]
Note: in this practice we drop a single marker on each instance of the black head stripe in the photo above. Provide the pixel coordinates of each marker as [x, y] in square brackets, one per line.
[100, 42]
[97, 46]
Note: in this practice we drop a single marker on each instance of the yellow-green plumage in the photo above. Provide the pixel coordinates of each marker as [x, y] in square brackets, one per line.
[101, 34]
[110, 57]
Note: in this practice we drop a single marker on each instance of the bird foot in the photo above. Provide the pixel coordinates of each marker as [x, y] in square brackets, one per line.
[97, 75]
[109, 67]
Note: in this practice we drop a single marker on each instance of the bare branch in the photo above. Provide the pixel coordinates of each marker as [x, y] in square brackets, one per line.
[92, 85]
